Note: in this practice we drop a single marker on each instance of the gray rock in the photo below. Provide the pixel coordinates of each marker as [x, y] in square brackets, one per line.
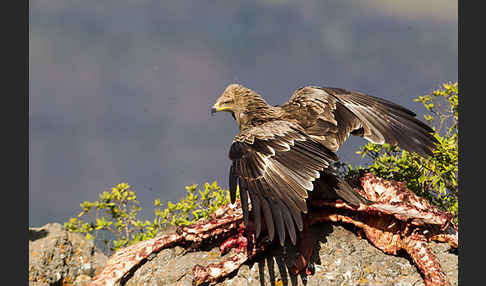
[340, 257]
[62, 258]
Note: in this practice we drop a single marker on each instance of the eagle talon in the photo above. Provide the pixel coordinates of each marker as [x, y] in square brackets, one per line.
[310, 269]
[300, 264]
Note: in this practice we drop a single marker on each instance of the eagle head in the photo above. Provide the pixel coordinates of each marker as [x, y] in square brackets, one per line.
[245, 105]
[231, 99]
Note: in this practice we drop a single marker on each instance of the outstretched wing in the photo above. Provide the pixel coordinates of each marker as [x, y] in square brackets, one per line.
[275, 164]
[330, 115]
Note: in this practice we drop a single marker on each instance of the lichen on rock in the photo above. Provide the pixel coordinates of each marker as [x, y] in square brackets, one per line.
[59, 257]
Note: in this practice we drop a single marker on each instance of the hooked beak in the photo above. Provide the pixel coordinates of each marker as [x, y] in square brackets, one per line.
[216, 107]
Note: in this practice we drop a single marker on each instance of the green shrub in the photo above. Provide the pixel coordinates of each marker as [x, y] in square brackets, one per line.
[434, 178]
[116, 212]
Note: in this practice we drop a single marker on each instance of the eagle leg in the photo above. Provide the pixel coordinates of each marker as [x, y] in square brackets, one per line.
[305, 252]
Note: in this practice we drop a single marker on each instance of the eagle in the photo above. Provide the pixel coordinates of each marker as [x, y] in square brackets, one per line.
[284, 153]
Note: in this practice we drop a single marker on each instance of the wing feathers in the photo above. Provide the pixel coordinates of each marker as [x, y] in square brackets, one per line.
[267, 215]
[256, 205]
[244, 202]
[278, 221]
[233, 182]
[386, 122]
[289, 224]
[276, 170]
[319, 109]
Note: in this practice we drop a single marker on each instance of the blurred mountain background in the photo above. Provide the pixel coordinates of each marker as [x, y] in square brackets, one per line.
[120, 90]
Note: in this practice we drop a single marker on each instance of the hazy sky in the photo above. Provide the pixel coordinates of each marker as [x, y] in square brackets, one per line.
[120, 90]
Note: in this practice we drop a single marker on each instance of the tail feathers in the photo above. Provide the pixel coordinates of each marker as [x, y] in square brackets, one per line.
[346, 192]
[330, 186]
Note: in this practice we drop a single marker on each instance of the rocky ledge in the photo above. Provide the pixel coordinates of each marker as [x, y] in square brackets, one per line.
[58, 257]
[341, 257]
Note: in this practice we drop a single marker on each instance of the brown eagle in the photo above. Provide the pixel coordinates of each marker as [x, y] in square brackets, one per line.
[284, 152]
